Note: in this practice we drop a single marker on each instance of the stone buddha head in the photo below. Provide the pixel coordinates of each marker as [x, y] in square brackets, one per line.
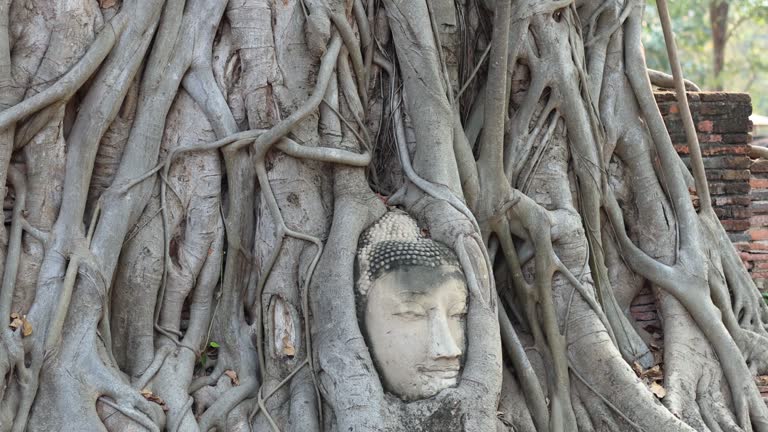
[412, 304]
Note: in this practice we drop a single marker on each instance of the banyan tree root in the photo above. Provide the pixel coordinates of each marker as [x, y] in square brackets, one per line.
[190, 179]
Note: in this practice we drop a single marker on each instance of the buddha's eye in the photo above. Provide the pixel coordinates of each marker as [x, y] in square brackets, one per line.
[411, 314]
[411, 311]
[459, 312]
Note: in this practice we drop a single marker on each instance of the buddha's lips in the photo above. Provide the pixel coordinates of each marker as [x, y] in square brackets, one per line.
[445, 372]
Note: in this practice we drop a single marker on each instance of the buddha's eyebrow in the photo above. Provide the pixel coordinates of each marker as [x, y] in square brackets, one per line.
[411, 293]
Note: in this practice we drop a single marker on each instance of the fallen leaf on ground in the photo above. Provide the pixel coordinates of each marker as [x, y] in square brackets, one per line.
[658, 390]
[288, 349]
[15, 321]
[26, 326]
[232, 376]
[148, 395]
[653, 373]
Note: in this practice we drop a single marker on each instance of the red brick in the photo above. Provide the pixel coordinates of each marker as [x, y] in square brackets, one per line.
[733, 212]
[713, 96]
[722, 150]
[732, 200]
[728, 174]
[733, 98]
[644, 308]
[729, 188]
[644, 299]
[728, 162]
[737, 138]
[754, 257]
[759, 221]
[705, 126]
[759, 166]
[715, 108]
[759, 207]
[736, 225]
[710, 138]
[741, 212]
[759, 233]
[644, 316]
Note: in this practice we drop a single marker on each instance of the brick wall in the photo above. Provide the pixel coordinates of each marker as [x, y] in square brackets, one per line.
[755, 251]
[722, 123]
[738, 186]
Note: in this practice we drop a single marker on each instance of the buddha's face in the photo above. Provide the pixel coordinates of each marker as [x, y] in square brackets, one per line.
[415, 319]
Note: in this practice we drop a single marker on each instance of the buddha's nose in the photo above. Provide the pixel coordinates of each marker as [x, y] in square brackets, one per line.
[443, 344]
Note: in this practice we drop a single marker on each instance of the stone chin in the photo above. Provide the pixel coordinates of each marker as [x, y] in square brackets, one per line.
[430, 385]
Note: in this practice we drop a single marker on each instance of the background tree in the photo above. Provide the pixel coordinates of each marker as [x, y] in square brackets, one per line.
[721, 49]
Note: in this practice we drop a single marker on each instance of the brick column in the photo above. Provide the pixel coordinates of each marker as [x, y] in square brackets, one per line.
[723, 126]
[739, 195]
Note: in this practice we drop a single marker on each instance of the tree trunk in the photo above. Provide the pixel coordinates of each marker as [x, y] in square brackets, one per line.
[191, 188]
[718, 19]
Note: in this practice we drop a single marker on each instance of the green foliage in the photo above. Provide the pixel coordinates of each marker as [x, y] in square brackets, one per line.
[746, 53]
[204, 357]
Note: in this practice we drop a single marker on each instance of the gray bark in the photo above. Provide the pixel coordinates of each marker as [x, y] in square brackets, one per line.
[186, 183]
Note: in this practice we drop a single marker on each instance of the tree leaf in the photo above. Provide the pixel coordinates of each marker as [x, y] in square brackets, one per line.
[26, 326]
[653, 373]
[233, 377]
[658, 390]
[148, 395]
[214, 345]
[15, 322]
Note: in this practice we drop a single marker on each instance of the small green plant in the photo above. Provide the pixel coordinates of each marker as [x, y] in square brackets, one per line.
[204, 357]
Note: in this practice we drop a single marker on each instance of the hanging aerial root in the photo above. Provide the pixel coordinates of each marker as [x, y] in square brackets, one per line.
[262, 399]
[532, 390]
[12, 357]
[350, 41]
[665, 80]
[18, 180]
[539, 301]
[684, 282]
[697, 163]
[275, 136]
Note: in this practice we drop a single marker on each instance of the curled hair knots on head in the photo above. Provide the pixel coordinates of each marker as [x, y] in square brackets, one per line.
[393, 242]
